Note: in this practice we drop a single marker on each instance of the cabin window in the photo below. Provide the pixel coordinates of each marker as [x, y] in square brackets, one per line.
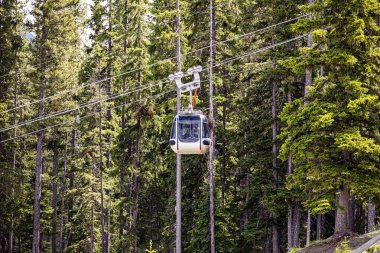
[189, 128]
[205, 129]
[174, 129]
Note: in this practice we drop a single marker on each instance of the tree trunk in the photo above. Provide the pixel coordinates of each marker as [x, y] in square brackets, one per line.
[101, 170]
[92, 237]
[102, 210]
[122, 220]
[224, 145]
[371, 216]
[296, 225]
[63, 187]
[309, 70]
[275, 239]
[109, 225]
[125, 45]
[10, 239]
[10, 236]
[320, 217]
[342, 217]
[137, 161]
[109, 114]
[290, 207]
[290, 227]
[178, 207]
[37, 196]
[109, 85]
[308, 227]
[351, 214]
[71, 184]
[55, 199]
[40, 142]
[212, 126]
[319, 226]
[268, 240]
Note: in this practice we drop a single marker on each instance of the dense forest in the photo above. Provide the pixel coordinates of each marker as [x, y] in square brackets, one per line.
[291, 90]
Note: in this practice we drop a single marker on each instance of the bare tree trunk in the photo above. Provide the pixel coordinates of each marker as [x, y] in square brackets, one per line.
[109, 225]
[109, 116]
[109, 84]
[40, 142]
[123, 121]
[224, 145]
[125, 45]
[296, 225]
[178, 208]
[101, 170]
[308, 84]
[290, 227]
[136, 183]
[63, 187]
[212, 127]
[275, 238]
[10, 239]
[342, 217]
[371, 216]
[268, 240]
[55, 198]
[308, 227]
[320, 217]
[309, 70]
[319, 226]
[71, 184]
[351, 214]
[290, 208]
[92, 237]
[102, 209]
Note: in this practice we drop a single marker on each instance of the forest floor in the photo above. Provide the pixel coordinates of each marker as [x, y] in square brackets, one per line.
[329, 245]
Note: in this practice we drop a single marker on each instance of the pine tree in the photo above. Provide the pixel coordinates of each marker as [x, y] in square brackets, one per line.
[11, 46]
[55, 27]
[331, 133]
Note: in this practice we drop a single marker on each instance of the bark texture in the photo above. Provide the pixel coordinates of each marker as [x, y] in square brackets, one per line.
[342, 216]
[371, 216]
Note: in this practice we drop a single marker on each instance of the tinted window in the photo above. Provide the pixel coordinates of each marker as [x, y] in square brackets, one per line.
[188, 128]
[174, 129]
[205, 129]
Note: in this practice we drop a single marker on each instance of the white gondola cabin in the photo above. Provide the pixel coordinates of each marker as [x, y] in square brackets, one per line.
[189, 133]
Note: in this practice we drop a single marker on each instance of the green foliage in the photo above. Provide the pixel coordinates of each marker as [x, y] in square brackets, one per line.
[343, 248]
[295, 250]
[331, 134]
[150, 250]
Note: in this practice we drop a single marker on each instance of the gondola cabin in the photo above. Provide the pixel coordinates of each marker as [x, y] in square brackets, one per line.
[189, 133]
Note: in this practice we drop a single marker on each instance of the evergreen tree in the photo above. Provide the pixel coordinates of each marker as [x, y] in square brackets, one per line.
[55, 27]
[332, 132]
[105, 179]
[10, 50]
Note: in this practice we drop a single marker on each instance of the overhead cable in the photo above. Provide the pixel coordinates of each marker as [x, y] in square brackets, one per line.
[148, 66]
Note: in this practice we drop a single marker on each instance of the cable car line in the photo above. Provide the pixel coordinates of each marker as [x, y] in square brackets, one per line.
[262, 29]
[147, 66]
[263, 66]
[84, 105]
[260, 50]
[190, 129]
[85, 116]
[116, 107]
[58, 113]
